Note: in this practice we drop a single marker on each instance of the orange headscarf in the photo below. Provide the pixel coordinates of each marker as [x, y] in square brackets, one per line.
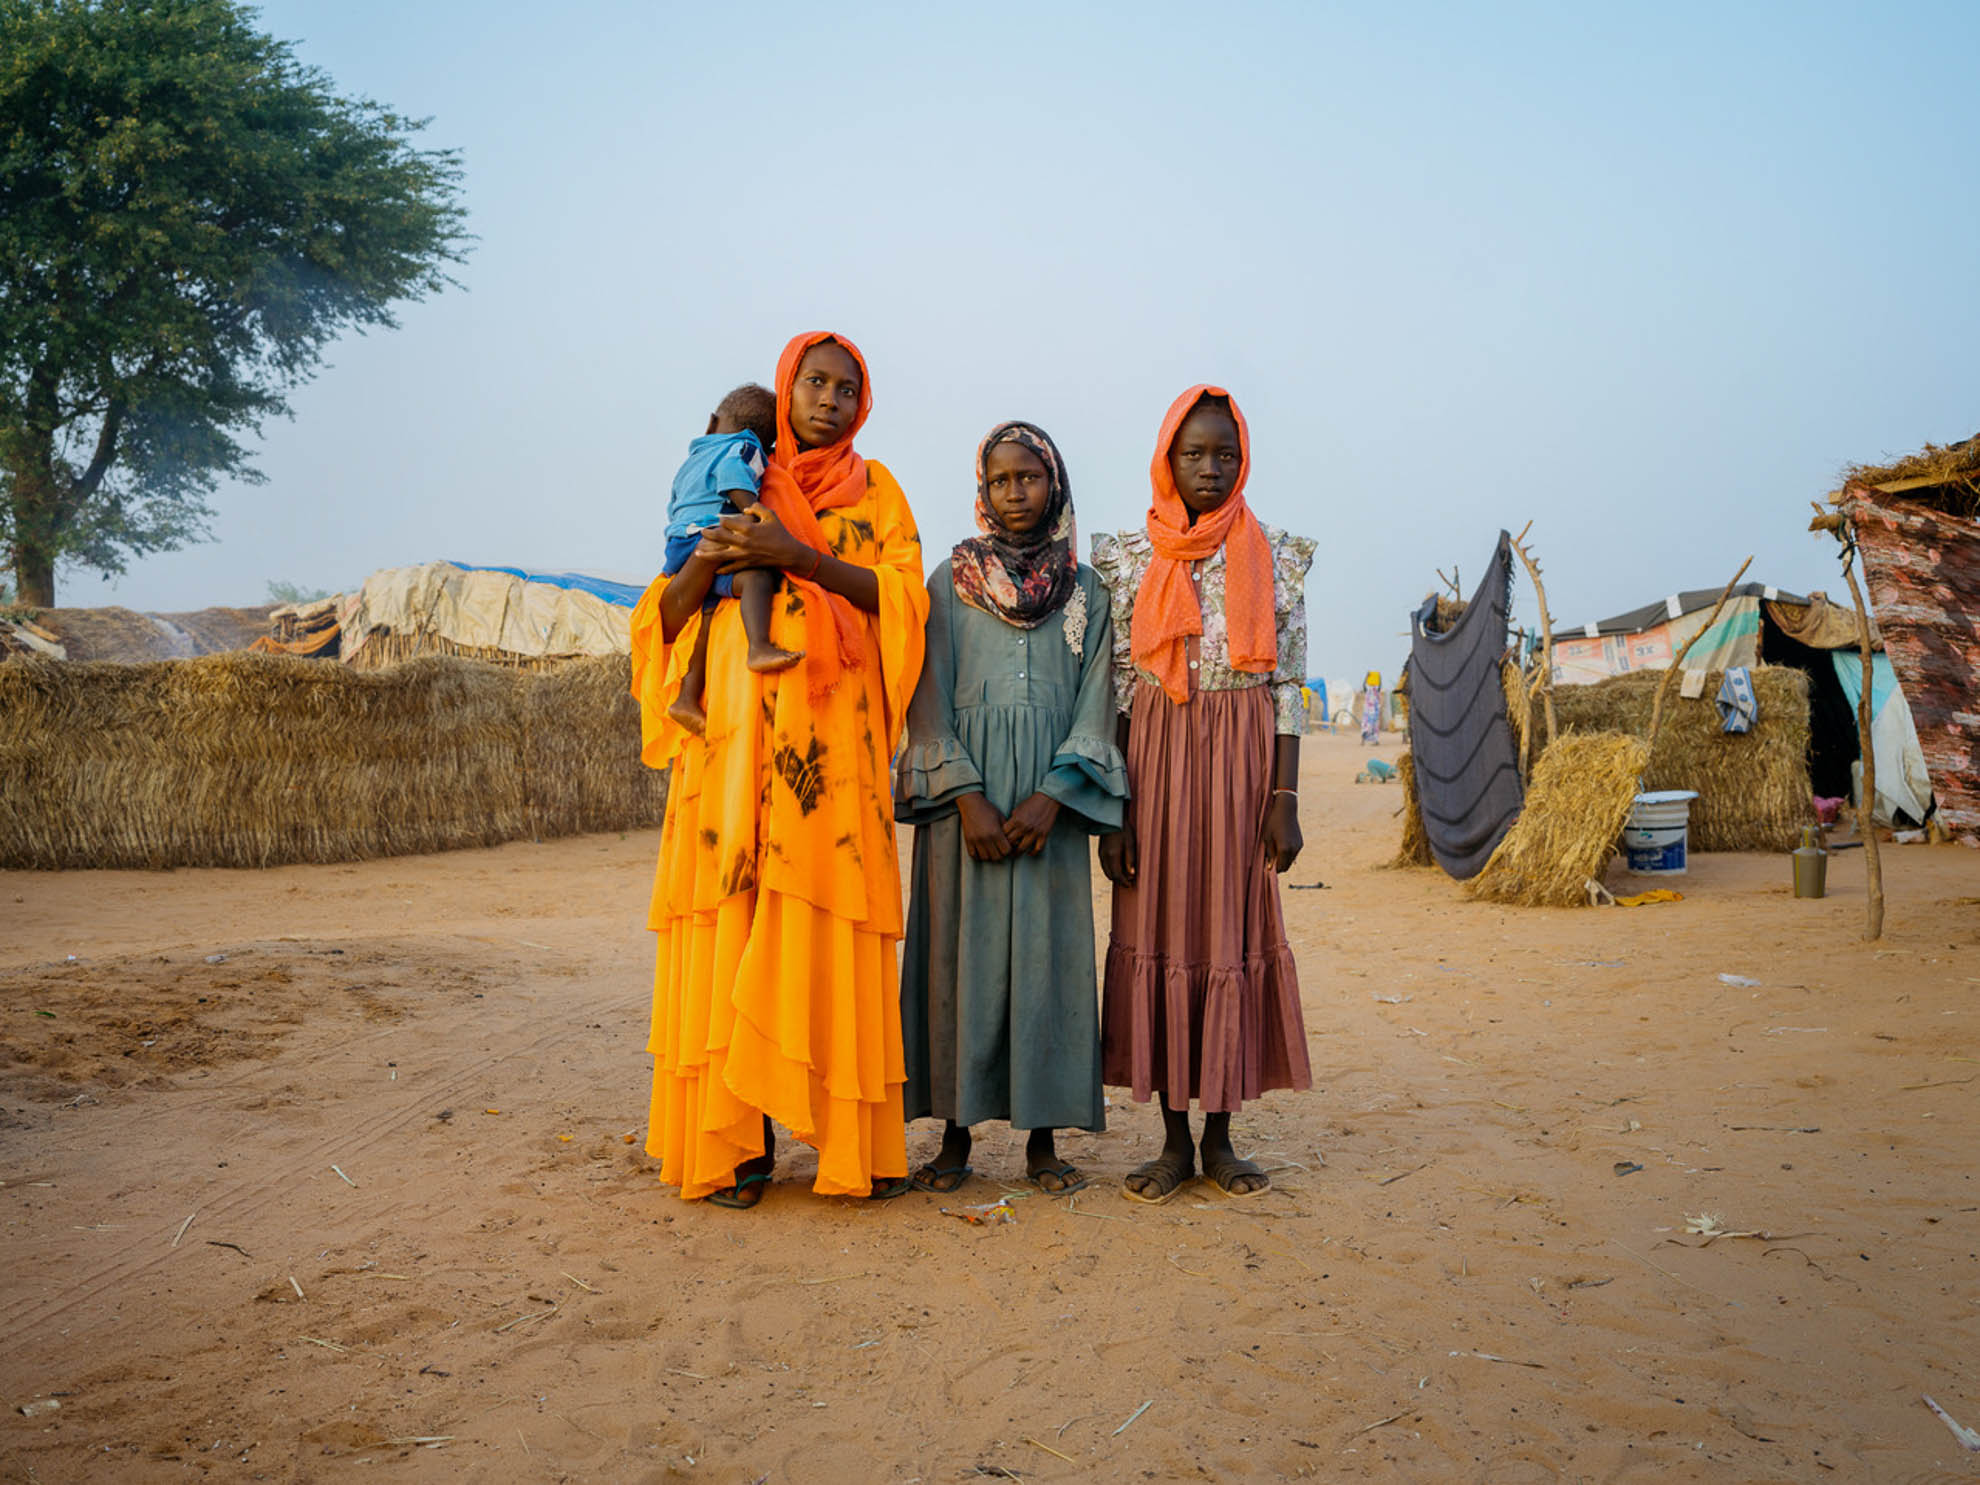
[797, 485]
[1165, 609]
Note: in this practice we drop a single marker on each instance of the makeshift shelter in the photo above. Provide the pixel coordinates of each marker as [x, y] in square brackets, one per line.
[1646, 638]
[507, 615]
[1549, 838]
[313, 629]
[1763, 626]
[1916, 524]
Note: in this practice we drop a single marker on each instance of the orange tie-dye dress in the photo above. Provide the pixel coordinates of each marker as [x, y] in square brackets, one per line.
[777, 899]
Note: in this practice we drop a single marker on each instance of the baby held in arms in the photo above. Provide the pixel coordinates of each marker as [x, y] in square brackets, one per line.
[721, 475]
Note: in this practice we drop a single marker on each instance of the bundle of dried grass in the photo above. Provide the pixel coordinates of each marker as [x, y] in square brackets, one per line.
[1415, 849]
[1575, 808]
[1753, 790]
[256, 760]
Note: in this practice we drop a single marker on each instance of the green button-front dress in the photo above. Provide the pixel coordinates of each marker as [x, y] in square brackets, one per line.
[999, 1010]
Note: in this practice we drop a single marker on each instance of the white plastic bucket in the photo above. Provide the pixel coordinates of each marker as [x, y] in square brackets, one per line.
[1655, 838]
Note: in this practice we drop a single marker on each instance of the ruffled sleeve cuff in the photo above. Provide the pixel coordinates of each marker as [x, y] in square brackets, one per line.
[929, 776]
[1089, 777]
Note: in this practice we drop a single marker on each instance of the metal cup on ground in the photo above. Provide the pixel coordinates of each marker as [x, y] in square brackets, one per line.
[1811, 864]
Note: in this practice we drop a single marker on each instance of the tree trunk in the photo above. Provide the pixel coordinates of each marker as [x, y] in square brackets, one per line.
[32, 491]
[34, 578]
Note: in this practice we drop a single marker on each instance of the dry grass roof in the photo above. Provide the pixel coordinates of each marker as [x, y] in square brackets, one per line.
[1944, 476]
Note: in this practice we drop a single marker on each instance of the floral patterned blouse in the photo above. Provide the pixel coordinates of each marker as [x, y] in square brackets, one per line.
[1122, 562]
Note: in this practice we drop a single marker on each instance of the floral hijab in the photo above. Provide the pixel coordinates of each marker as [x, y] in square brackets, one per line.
[1022, 577]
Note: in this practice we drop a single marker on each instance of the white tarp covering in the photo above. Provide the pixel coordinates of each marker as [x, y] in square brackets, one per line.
[1902, 782]
[487, 608]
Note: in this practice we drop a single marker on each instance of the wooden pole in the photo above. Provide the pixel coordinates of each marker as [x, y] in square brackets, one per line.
[1677, 660]
[1543, 678]
[1873, 923]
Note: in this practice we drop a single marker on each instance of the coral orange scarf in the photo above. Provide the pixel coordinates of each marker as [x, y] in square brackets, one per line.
[797, 485]
[1166, 611]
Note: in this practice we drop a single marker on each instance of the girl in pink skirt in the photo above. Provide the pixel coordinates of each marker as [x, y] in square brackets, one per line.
[1201, 997]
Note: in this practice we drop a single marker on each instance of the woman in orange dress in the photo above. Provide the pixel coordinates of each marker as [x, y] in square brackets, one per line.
[777, 900]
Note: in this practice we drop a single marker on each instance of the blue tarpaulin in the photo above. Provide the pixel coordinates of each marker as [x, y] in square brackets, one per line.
[623, 594]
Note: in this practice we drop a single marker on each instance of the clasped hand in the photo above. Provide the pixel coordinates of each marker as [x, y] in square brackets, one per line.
[989, 836]
[752, 538]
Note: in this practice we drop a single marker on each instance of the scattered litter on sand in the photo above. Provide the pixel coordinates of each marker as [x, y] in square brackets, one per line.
[1741, 981]
[1134, 1415]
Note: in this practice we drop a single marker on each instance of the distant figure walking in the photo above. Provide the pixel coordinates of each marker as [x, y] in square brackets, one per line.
[1371, 707]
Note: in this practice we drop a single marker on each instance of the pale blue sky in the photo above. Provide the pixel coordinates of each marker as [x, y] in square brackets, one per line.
[1645, 275]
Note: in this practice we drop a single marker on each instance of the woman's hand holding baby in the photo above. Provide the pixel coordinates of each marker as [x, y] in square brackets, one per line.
[754, 538]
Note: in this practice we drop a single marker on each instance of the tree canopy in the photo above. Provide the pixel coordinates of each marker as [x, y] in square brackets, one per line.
[188, 216]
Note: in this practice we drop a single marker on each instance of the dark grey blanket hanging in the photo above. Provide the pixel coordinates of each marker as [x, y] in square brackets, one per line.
[1467, 764]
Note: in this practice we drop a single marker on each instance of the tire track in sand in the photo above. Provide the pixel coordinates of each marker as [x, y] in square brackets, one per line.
[24, 1316]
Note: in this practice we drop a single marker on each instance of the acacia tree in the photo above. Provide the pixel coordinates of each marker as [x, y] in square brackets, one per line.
[188, 216]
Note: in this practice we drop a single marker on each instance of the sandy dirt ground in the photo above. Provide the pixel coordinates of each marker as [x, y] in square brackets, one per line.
[395, 1100]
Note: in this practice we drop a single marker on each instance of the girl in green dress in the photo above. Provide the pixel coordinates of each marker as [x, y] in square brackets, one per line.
[1010, 765]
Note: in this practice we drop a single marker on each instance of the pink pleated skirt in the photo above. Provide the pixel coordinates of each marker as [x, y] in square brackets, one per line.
[1201, 997]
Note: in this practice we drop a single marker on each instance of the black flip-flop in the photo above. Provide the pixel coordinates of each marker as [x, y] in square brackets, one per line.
[889, 1187]
[732, 1196]
[1065, 1173]
[940, 1174]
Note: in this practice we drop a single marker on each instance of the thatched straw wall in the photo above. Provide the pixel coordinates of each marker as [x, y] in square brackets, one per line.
[1753, 791]
[1581, 794]
[256, 760]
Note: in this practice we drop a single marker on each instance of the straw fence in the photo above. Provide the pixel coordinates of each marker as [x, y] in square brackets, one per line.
[247, 759]
[1753, 790]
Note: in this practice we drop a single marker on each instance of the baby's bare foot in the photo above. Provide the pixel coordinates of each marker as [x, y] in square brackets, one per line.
[767, 657]
[689, 716]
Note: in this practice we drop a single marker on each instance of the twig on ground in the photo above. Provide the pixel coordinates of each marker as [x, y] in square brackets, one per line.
[525, 1319]
[216, 1243]
[1539, 1366]
[1382, 1422]
[1079, 1211]
[579, 1282]
[182, 1229]
[1132, 1416]
[344, 1178]
[1049, 1450]
[297, 1287]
